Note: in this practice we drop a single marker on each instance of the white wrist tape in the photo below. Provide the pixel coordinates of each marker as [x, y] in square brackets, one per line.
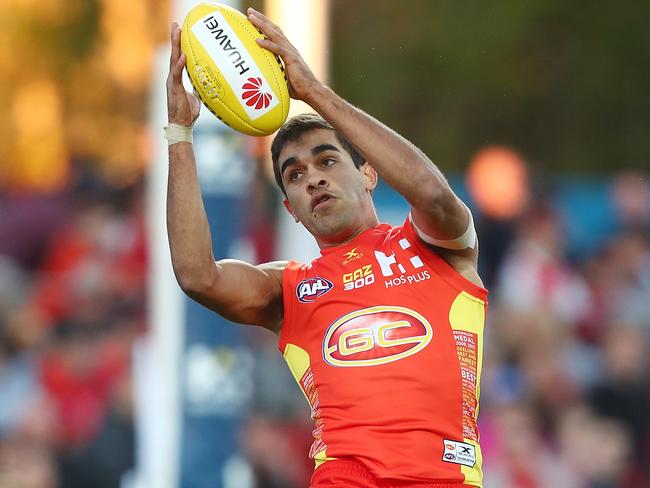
[178, 133]
[467, 240]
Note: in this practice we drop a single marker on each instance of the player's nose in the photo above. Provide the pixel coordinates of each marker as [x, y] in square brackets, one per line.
[316, 181]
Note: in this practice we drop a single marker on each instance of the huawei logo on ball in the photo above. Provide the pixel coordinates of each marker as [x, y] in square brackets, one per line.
[254, 95]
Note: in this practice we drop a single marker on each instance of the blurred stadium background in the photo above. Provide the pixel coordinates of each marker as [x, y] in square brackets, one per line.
[537, 111]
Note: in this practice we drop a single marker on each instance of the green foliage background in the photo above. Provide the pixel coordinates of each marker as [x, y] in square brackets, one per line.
[565, 82]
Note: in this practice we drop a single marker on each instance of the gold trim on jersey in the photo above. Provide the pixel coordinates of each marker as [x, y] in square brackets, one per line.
[467, 314]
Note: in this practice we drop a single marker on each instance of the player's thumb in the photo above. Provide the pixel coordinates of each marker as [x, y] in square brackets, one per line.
[195, 105]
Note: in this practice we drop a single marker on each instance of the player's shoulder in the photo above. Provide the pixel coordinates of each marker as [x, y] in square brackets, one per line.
[274, 266]
[274, 270]
[291, 271]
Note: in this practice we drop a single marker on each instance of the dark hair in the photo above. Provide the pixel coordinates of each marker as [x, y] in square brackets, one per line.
[294, 128]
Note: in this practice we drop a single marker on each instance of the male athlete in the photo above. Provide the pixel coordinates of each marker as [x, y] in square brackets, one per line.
[384, 331]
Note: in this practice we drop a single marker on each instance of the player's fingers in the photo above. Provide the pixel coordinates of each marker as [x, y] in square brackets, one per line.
[267, 21]
[180, 64]
[257, 21]
[195, 105]
[265, 25]
[284, 52]
[176, 70]
[174, 44]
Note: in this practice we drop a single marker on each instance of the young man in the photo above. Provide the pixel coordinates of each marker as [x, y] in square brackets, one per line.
[383, 332]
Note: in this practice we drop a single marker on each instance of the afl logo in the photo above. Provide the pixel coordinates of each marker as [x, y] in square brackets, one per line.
[376, 335]
[310, 289]
[253, 94]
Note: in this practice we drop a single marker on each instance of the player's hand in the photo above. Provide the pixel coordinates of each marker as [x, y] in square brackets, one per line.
[182, 107]
[300, 77]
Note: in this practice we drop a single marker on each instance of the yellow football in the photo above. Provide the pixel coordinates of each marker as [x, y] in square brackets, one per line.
[241, 83]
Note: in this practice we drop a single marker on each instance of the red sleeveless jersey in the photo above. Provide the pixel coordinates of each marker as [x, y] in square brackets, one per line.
[385, 339]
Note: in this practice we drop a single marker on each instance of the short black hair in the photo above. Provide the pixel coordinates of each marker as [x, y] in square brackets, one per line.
[294, 128]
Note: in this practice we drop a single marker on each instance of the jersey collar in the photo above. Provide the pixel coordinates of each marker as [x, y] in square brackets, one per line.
[358, 239]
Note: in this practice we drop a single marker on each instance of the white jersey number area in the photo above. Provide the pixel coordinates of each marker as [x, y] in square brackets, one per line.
[396, 272]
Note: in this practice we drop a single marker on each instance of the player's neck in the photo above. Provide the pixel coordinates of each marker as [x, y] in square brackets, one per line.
[349, 235]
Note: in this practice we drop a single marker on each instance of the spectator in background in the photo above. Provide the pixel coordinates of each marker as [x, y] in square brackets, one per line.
[28, 222]
[623, 394]
[24, 464]
[498, 182]
[569, 350]
[520, 457]
[628, 262]
[631, 198]
[597, 450]
[535, 275]
[67, 330]
[278, 422]
[96, 261]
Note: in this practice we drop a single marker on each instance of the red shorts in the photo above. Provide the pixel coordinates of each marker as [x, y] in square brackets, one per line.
[341, 473]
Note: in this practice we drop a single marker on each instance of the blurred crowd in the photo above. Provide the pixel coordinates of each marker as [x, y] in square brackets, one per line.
[72, 290]
[565, 388]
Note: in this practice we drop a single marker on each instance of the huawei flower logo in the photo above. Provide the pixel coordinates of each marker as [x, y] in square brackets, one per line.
[253, 94]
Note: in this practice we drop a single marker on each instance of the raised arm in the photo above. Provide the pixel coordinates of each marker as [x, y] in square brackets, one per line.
[238, 291]
[436, 211]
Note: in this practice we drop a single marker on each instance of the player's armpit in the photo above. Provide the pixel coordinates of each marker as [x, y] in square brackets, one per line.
[244, 293]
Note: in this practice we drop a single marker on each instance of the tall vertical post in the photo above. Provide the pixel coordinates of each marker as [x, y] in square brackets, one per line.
[193, 371]
[306, 25]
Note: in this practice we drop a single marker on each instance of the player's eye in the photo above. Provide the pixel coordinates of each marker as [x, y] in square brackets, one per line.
[294, 175]
[328, 162]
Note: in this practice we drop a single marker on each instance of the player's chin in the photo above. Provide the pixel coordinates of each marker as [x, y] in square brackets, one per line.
[329, 225]
[329, 214]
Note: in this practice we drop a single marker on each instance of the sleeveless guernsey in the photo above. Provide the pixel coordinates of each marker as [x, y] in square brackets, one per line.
[385, 340]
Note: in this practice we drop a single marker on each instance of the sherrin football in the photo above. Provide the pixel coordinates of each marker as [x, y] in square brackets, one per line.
[241, 83]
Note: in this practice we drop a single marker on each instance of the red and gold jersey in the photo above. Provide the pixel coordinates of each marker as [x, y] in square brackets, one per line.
[385, 339]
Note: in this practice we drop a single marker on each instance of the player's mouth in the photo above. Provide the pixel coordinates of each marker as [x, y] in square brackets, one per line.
[321, 200]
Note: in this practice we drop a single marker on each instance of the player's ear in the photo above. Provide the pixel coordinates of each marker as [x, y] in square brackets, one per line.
[287, 205]
[370, 177]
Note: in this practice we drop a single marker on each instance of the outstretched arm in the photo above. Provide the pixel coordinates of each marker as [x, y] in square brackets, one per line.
[238, 291]
[436, 211]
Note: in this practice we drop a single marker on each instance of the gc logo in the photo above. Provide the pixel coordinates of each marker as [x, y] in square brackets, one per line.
[376, 335]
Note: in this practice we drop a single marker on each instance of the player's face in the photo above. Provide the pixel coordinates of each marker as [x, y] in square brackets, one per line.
[325, 191]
